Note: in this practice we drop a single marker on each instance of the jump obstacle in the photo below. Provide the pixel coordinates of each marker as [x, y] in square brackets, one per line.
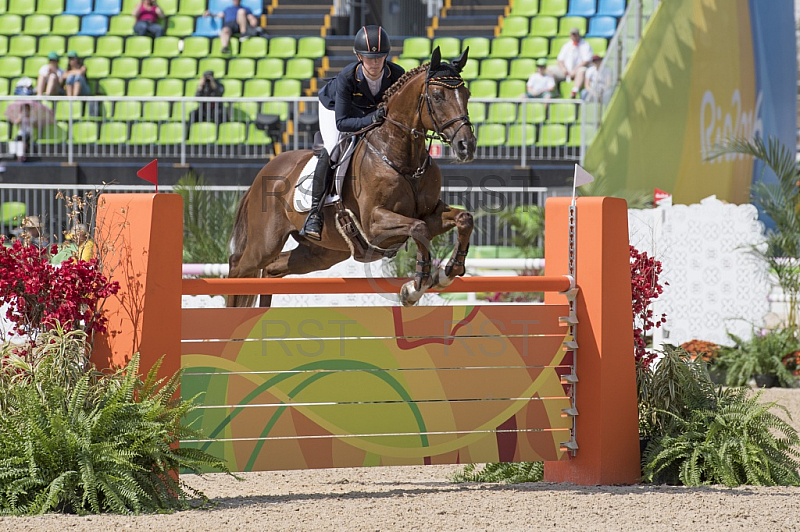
[296, 388]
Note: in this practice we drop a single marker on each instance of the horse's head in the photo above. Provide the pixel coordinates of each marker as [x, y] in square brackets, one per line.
[446, 105]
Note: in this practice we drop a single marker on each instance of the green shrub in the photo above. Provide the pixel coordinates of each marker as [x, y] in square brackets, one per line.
[761, 355]
[512, 473]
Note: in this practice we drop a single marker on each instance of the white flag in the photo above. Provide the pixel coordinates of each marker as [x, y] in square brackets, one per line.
[582, 177]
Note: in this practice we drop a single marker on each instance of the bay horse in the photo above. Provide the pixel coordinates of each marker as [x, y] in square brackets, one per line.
[392, 190]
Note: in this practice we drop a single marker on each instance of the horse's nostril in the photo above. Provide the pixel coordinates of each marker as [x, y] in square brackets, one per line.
[462, 145]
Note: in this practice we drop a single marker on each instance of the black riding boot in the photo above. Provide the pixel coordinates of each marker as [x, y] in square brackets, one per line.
[313, 227]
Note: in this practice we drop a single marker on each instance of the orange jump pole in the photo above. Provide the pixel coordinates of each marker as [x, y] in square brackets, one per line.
[141, 238]
[606, 427]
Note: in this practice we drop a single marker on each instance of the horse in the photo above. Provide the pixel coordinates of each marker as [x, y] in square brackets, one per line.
[391, 192]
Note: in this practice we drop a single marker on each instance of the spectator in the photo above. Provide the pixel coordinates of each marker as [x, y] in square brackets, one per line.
[24, 87]
[147, 15]
[31, 233]
[78, 245]
[25, 133]
[541, 84]
[76, 83]
[573, 59]
[211, 111]
[597, 81]
[237, 20]
[51, 78]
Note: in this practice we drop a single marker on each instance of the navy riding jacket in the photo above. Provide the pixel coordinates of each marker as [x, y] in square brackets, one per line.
[348, 94]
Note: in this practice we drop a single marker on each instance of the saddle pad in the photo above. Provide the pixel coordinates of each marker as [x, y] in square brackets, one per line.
[302, 191]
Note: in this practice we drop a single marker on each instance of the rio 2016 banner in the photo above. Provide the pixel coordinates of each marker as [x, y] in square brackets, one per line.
[705, 72]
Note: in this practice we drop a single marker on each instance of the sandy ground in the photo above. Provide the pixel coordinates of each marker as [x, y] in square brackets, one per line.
[422, 498]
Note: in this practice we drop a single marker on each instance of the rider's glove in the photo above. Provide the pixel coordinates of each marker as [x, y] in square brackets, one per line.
[379, 115]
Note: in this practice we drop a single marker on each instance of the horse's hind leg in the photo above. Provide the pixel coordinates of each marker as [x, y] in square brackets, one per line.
[443, 219]
[250, 263]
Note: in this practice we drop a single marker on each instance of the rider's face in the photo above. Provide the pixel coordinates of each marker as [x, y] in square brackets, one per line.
[373, 66]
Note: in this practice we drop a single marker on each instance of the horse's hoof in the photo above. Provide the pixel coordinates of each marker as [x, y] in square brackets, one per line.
[441, 279]
[407, 291]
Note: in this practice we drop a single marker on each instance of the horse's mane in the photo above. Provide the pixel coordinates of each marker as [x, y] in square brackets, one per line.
[397, 85]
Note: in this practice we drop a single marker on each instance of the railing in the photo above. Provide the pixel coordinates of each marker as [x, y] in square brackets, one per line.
[183, 129]
[487, 199]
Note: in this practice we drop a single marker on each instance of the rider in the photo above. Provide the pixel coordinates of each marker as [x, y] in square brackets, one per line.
[349, 102]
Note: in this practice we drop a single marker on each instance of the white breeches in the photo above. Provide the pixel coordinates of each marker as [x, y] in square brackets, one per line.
[327, 127]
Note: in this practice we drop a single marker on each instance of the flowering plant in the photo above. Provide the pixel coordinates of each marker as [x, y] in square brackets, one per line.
[708, 351]
[39, 294]
[792, 362]
[644, 289]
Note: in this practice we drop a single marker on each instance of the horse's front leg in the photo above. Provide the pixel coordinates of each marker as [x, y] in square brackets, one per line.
[443, 219]
[387, 225]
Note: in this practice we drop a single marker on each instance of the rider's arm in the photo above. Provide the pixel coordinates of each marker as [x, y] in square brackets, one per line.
[347, 118]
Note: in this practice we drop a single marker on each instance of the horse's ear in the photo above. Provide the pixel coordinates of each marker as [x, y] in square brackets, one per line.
[461, 61]
[436, 60]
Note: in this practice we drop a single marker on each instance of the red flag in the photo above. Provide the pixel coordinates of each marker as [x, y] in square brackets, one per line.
[660, 195]
[150, 172]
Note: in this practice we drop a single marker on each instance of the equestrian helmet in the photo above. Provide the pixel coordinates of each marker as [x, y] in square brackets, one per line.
[372, 41]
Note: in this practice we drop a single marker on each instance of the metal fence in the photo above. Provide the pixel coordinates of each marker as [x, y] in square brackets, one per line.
[485, 201]
[188, 129]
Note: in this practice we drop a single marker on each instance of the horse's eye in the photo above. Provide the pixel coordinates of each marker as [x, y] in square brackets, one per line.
[438, 95]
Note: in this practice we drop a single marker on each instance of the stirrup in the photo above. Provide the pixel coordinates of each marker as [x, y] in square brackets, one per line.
[312, 228]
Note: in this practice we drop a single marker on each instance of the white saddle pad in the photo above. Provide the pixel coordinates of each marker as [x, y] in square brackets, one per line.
[302, 191]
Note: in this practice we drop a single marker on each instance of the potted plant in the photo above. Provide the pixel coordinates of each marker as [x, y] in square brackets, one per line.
[709, 353]
[761, 358]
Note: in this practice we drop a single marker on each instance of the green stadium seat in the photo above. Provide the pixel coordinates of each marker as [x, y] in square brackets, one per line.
[190, 88]
[21, 7]
[5, 136]
[516, 132]
[494, 68]
[491, 135]
[129, 5]
[4, 86]
[216, 47]
[215, 64]
[269, 68]
[113, 133]
[3, 45]
[553, 8]
[544, 26]
[599, 45]
[562, 113]
[231, 134]
[166, 46]
[202, 133]
[566, 24]
[50, 7]
[310, 47]
[477, 112]
[180, 26]
[406, 62]
[32, 66]
[97, 67]
[141, 87]
[556, 44]
[470, 70]
[257, 137]
[511, 88]
[53, 134]
[276, 108]
[534, 47]
[299, 68]
[38, 24]
[156, 111]
[10, 24]
[125, 67]
[242, 68]
[246, 111]
[63, 111]
[183, 67]
[196, 47]
[170, 87]
[255, 47]
[233, 87]
[565, 89]
[505, 47]
[449, 47]
[525, 8]
[483, 88]
[552, 135]
[501, 113]
[22, 45]
[139, 46]
[127, 110]
[64, 25]
[284, 47]
[478, 47]
[114, 87]
[535, 113]
[109, 46]
[521, 68]
[155, 67]
[82, 44]
[192, 8]
[257, 88]
[169, 7]
[143, 133]
[417, 47]
[574, 140]
[515, 27]
[170, 133]
[287, 87]
[3, 6]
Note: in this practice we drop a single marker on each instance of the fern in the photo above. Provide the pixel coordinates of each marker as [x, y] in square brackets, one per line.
[512, 473]
[762, 354]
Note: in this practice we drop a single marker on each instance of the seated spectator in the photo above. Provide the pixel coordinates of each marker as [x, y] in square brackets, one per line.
[147, 15]
[208, 87]
[51, 78]
[31, 233]
[76, 83]
[573, 59]
[77, 244]
[25, 133]
[597, 81]
[237, 20]
[24, 87]
[541, 84]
